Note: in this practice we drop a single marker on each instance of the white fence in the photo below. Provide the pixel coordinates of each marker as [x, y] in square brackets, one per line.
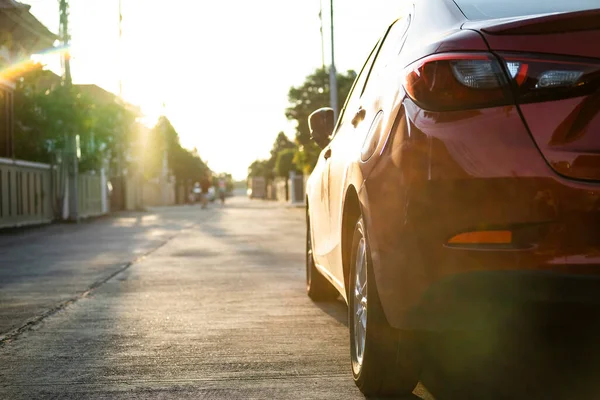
[89, 195]
[26, 193]
[31, 193]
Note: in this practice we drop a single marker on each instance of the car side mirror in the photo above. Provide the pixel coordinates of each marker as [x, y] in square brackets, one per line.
[321, 123]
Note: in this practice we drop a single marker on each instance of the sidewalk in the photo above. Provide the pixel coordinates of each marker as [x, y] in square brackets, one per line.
[40, 268]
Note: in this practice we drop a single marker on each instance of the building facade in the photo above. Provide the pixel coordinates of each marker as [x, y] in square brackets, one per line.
[21, 35]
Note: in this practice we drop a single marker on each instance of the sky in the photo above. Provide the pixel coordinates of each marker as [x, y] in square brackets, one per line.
[222, 69]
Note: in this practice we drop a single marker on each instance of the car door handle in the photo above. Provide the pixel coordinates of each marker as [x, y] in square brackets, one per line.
[359, 116]
[327, 154]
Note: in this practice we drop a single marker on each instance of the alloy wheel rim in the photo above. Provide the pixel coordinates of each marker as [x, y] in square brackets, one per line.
[360, 302]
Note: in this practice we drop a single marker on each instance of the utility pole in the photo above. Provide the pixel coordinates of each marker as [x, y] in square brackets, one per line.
[121, 134]
[332, 74]
[165, 160]
[120, 47]
[322, 38]
[70, 155]
[139, 176]
[165, 164]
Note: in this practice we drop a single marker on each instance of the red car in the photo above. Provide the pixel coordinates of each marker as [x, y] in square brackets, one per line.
[464, 169]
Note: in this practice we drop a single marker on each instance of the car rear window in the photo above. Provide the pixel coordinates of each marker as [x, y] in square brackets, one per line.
[486, 9]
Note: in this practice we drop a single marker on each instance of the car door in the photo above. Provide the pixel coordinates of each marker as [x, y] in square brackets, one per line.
[318, 183]
[321, 175]
[362, 111]
[316, 192]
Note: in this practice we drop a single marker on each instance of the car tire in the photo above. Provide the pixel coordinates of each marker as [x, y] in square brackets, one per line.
[385, 361]
[318, 287]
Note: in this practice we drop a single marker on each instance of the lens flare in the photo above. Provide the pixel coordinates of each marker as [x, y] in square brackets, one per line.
[15, 70]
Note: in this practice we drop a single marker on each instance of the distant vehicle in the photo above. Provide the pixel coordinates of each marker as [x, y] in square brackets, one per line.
[464, 169]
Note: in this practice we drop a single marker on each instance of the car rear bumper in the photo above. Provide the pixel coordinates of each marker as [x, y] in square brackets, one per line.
[448, 178]
[555, 247]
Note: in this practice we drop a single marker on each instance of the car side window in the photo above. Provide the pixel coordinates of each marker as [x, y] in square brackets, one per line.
[376, 64]
[357, 88]
[389, 50]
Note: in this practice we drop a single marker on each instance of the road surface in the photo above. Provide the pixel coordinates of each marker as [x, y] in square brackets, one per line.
[212, 307]
[183, 303]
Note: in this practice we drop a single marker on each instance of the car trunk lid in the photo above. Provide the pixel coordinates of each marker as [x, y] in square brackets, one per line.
[554, 63]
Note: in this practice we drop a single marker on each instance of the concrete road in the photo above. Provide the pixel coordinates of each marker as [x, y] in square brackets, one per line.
[176, 303]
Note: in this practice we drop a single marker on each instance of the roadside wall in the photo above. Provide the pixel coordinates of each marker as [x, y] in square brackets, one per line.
[26, 193]
[32, 193]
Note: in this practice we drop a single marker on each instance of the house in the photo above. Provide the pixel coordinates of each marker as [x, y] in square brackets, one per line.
[104, 97]
[21, 35]
[126, 192]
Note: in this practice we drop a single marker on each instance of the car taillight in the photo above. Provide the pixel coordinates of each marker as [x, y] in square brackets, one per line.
[539, 78]
[457, 81]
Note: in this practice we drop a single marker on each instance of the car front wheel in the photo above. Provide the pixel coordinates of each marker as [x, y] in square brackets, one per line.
[385, 361]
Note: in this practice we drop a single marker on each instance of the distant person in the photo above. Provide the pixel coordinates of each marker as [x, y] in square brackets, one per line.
[222, 190]
[205, 186]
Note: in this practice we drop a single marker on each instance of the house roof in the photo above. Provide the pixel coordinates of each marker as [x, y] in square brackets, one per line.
[13, 4]
[48, 80]
[25, 29]
[106, 97]
[97, 93]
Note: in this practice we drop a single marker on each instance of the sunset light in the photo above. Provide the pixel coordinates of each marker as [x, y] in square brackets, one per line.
[223, 75]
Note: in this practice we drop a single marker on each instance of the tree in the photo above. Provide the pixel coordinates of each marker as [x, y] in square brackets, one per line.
[285, 162]
[41, 116]
[281, 143]
[184, 164]
[259, 168]
[310, 96]
[45, 110]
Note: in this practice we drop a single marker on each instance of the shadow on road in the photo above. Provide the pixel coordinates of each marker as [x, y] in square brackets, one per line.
[553, 355]
[335, 309]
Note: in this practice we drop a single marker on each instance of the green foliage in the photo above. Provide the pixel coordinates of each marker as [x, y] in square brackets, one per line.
[45, 112]
[281, 143]
[260, 168]
[285, 162]
[110, 132]
[267, 168]
[310, 96]
[184, 164]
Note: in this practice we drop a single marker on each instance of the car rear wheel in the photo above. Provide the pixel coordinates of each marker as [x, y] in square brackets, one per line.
[385, 361]
[318, 287]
